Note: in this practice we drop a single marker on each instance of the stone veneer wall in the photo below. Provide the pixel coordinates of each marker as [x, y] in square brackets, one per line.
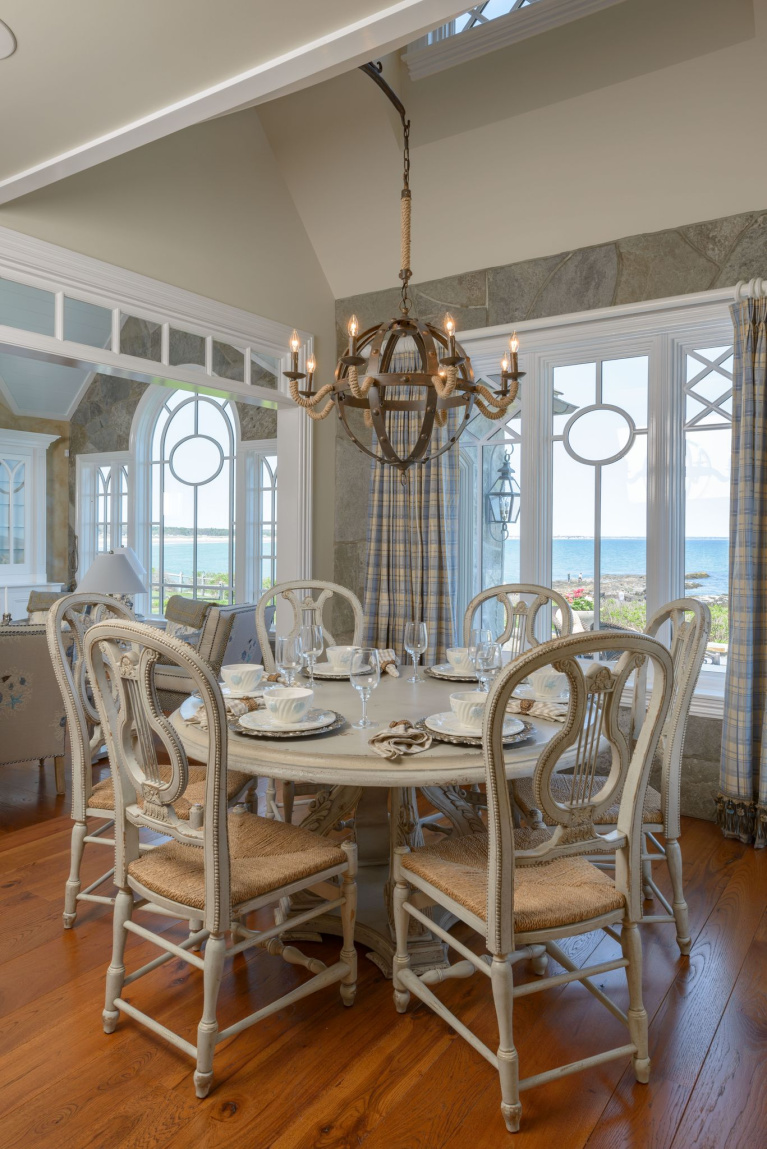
[103, 419]
[679, 261]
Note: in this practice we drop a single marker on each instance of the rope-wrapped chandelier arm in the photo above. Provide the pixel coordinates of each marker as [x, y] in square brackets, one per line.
[317, 416]
[501, 401]
[358, 390]
[490, 413]
[445, 389]
[309, 403]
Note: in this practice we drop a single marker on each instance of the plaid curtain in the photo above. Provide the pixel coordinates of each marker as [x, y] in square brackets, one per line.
[742, 802]
[412, 554]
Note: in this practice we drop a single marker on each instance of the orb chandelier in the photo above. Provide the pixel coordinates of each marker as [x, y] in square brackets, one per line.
[408, 367]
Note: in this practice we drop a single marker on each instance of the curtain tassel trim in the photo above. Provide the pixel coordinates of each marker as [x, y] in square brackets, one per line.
[742, 819]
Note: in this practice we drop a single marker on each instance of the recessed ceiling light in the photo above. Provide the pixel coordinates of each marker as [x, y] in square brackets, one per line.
[7, 41]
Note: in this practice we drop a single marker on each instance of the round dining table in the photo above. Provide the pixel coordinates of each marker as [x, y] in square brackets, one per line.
[381, 795]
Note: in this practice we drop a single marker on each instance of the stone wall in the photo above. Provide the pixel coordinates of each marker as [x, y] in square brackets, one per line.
[679, 261]
[103, 418]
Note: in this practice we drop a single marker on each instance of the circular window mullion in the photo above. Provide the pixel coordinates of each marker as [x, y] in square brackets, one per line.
[598, 408]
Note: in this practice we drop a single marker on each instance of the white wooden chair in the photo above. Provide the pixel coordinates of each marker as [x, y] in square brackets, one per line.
[520, 615]
[522, 900]
[217, 866]
[307, 610]
[66, 625]
[690, 624]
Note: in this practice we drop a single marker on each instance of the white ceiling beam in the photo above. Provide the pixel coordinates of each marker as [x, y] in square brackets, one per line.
[321, 59]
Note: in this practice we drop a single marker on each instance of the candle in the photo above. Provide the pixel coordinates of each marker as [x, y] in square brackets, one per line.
[295, 344]
[449, 324]
[311, 367]
[514, 348]
[353, 327]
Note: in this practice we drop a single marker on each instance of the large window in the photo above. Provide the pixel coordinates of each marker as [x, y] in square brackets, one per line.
[193, 499]
[621, 446]
[112, 501]
[261, 488]
[599, 508]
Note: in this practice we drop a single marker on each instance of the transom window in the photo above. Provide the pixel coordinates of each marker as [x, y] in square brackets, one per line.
[477, 15]
[194, 445]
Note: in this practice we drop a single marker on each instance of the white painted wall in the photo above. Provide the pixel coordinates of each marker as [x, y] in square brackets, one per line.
[642, 117]
[208, 210]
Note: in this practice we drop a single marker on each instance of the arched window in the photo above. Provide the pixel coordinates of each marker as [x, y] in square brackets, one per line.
[193, 450]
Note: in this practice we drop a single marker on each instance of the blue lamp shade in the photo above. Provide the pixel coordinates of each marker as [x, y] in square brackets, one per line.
[112, 573]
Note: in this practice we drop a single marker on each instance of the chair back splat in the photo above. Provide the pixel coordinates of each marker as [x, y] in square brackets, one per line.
[307, 609]
[526, 607]
[594, 698]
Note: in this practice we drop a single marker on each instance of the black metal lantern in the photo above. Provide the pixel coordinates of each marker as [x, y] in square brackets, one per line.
[502, 501]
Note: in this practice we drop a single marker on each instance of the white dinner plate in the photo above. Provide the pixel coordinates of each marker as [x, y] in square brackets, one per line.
[327, 670]
[447, 723]
[262, 721]
[228, 692]
[445, 670]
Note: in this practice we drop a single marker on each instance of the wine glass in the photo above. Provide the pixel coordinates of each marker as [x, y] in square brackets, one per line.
[364, 675]
[477, 636]
[288, 655]
[416, 641]
[487, 663]
[312, 642]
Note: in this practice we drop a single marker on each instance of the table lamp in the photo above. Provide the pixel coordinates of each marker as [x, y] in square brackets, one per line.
[113, 573]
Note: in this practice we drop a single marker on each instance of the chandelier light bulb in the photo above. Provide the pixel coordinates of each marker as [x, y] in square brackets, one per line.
[353, 326]
[449, 325]
[514, 344]
[311, 365]
[295, 342]
[504, 364]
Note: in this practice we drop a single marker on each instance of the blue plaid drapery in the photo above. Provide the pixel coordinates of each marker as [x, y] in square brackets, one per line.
[742, 802]
[412, 544]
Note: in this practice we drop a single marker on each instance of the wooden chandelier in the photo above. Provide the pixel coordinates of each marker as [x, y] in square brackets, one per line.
[409, 368]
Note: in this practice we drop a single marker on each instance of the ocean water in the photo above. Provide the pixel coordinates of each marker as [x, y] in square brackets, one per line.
[570, 556]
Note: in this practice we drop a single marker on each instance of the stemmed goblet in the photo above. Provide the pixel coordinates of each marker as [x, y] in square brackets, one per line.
[416, 641]
[312, 642]
[364, 675]
[289, 656]
[487, 663]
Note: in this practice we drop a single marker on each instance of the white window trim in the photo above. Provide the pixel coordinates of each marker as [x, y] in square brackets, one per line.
[247, 548]
[31, 446]
[662, 329]
[424, 58]
[86, 491]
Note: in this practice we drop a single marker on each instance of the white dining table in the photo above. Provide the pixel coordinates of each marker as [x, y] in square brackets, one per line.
[381, 795]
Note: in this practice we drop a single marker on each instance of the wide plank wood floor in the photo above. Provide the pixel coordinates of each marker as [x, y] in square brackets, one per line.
[318, 1076]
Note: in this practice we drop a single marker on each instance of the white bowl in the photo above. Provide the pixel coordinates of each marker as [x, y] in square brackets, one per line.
[288, 704]
[242, 676]
[548, 683]
[469, 707]
[458, 657]
[340, 657]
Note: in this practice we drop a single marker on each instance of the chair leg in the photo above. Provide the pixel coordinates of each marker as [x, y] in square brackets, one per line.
[123, 910]
[631, 944]
[502, 981]
[58, 770]
[647, 890]
[207, 1030]
[195, 925]
[348, 919]
[288, 798]
[402, 955]
[72, 888]
[679, 905]
[271, 797]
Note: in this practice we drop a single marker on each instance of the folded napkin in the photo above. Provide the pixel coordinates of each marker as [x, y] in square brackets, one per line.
[235, 708]
[399, 738]
[388, 660]
[554, 711]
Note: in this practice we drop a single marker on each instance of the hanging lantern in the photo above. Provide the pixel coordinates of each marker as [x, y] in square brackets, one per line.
[502, 501]
[402, 366]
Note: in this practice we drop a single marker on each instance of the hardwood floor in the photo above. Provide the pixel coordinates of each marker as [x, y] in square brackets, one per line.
[318, 1076]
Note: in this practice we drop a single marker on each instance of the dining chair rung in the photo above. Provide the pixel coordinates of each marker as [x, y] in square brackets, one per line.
[410, 980]
[661, 898]
[95, 841]
[475, 960]
[328, 976]
[256, 937]
[656, 918]
[155, 1026]
[164, 943]
[576, 1066]
[87, 892]
[656, 843]
[193, 940]
[575, 974]
[101, 830]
